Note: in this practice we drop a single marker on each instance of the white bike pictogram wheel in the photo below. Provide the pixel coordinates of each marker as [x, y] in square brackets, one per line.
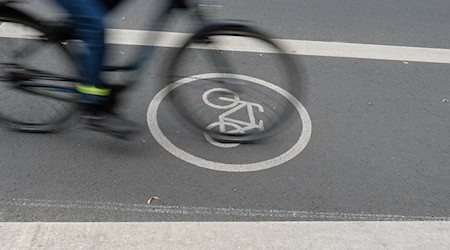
[300, 144]
[219, 144]
[217, 106]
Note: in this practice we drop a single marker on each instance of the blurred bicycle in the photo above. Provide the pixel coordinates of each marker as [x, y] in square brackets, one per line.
[38, 72]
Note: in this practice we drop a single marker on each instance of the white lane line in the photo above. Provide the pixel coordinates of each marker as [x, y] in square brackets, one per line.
[366, 51]
[208, 211]
[295, 47]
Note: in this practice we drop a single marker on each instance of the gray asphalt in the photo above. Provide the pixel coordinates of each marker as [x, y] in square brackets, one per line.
[379, 143]
[401, 22]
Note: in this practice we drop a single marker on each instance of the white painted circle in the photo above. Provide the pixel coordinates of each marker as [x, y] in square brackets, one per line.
[152, 120]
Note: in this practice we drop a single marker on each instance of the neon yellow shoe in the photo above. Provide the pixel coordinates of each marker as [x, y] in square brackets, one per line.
[96, 111]
[92, 90]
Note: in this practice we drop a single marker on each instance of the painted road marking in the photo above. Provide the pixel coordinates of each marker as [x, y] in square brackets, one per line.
[294, 47]
[152, 120]
[234, 126]
[272, 214]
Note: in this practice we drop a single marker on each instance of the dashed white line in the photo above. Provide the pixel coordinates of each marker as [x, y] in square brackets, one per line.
[209, 211]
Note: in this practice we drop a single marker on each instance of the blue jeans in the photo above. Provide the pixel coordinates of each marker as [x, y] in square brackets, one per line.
[88, 18]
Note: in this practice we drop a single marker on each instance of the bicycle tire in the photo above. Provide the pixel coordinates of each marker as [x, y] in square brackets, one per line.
[32, 104]
[292, 72]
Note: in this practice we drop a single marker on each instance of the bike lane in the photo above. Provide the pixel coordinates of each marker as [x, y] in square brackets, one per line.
[378, 147]
[376, 152]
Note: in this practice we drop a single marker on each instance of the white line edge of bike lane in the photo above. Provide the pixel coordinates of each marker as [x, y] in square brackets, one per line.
[294, 47]
[227, 235]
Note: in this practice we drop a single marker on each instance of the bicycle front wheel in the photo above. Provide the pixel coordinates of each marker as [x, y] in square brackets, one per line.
[34, 75]
[237, 78]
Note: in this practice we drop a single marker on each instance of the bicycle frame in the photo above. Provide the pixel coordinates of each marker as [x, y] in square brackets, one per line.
[206, 34]
[63, 33]
[160, 23]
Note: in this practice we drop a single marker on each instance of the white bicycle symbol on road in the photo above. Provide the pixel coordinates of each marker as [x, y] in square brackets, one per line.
[230, 125]
[305, 126]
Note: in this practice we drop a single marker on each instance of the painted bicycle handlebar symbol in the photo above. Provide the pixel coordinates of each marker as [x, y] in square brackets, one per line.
[230, 125]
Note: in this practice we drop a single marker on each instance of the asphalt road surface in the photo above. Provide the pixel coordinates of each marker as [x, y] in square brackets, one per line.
[378, 148]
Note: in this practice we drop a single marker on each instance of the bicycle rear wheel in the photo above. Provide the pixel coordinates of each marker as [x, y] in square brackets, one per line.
[36, 75]
[235, 83]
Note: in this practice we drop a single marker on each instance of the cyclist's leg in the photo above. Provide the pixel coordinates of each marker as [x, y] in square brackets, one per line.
[89, 25]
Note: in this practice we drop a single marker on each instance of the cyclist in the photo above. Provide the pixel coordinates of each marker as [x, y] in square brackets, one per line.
[88, 17]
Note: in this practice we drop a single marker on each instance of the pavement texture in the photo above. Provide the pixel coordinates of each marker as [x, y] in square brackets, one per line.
[220, 235]
[379, 142]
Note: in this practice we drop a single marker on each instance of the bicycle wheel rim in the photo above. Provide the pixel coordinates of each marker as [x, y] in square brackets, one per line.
[29, 104]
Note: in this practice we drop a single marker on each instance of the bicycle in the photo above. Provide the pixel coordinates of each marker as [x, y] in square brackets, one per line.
[55, 91]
